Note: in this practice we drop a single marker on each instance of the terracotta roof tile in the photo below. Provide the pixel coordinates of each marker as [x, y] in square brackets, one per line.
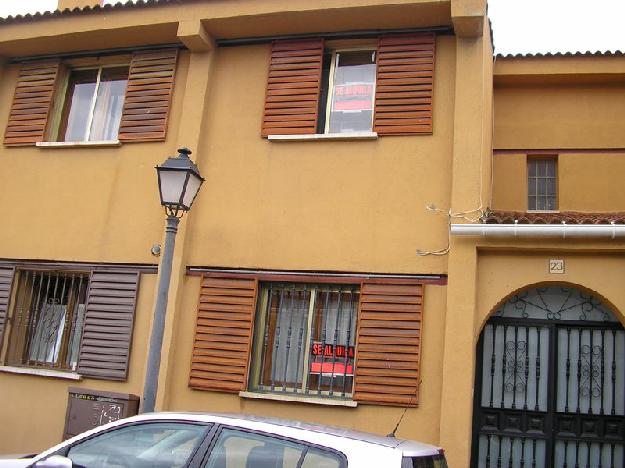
[568, 217]
[587, 53]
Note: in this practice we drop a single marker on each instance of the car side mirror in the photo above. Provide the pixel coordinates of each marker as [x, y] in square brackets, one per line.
[55, 461]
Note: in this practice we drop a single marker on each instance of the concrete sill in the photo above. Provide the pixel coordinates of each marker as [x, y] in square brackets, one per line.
[41, 372]
[78, 144]
[298, 399]
[325, 137]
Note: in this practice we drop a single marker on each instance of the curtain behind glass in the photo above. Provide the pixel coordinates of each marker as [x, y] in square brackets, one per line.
[109, 104]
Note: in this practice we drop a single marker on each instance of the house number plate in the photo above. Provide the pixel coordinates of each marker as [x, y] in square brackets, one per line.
[556, 266]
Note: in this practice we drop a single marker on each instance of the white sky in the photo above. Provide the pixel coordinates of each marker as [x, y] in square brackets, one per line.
[520, 26]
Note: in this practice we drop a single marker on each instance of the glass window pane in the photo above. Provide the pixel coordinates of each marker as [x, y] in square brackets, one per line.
[239, 449]
[80, 91]
[151, 444]
[351, 105]
[318, 459]
[551, 167]
[109, 104]
[551, 187]
[531, 168]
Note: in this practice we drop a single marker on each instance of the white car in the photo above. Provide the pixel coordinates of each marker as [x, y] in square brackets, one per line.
[195, 440]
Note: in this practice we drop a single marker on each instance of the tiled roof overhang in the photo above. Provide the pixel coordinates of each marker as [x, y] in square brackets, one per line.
[564, 217]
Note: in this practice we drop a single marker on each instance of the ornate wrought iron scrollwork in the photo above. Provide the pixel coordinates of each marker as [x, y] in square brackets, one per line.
[590, 382]
[515, 366]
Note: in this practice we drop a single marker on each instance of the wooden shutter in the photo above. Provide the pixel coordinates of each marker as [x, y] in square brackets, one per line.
[404, 85]
[6, 281]
[148, 96]
[107, 331]
[32, 102]
[389, 344]
[223, 334]
[293, 87]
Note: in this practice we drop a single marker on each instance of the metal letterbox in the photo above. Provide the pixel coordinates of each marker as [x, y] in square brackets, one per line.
[87, 409]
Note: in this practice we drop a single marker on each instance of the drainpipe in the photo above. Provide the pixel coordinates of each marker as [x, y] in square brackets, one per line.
[563, 231]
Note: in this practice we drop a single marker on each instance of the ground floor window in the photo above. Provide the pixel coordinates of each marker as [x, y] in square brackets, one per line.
[49, 313]
[304, 339]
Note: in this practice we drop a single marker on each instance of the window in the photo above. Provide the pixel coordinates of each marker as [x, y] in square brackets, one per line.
[49, 316]
[350, 91]
[541, 184]
[386, 87]
[165, 444]
[305, 338]
[69, 320]
[93, 104]
[242, 449]
[93, 99]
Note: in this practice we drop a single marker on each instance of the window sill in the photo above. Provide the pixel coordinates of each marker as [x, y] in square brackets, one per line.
[325, 137]
[298, 399]
[77, 144]
[41, 372]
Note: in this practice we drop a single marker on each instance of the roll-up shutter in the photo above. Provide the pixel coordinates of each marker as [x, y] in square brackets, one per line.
[293, 87]
[107, 332]
[223, 334]
[404, 85]
[32, 102]
[148, 96]
[389, 344]
[6, 281]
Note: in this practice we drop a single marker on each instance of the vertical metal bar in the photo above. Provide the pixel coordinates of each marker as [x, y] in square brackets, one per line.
[348, 340]
[601, 409]
[34, 316]
[337, 323]
[522, 460]
[516, 365]
[267, 315]
[24, 357]
[579, 367]
[613, 410]
[488, 441]
[300, 339]
[591, 374]
[309, 340]
[500, 440]
[492, 368]
[288, 336]
[612, 455]
[276, 345]
[568, 368]
[566, 452]
[588, 446]
[42, 317]
[577, 454]
[510, 457]
[67, 317]
[600, 465]
[534, 453]
[503, 367]
[536, 405]
[527, 366]
[324, 332]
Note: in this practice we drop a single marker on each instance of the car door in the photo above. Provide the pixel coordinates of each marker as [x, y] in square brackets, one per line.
[154, 444]
[243, 448]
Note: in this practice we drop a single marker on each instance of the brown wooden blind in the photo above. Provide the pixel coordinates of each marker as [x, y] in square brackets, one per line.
[389, 344]
[107, 331]
[223, 334]
[6, 281]
[32, 102]
[293, 87]
[404, 85]
[148, 96]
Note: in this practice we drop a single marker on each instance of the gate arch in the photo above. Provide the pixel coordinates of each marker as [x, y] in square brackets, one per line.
[550, 382]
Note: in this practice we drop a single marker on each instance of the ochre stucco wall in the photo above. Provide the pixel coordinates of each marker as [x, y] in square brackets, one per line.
[32, 413]
[589, 181]
[560, 115]
[421, 423]
[347, 205]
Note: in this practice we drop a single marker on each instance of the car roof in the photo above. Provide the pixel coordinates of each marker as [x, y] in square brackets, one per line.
[252, 421]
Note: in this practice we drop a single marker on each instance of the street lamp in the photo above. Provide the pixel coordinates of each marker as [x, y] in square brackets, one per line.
[179, 182]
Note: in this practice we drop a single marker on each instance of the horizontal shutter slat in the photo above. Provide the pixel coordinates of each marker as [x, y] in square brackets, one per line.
[294, 82]
[389, 341]
[149, 93]
[6, 282]
[109, 320]
[405, 72]
[223, 334]
[32, 103]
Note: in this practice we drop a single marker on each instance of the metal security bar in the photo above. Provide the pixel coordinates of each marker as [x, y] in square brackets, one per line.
[305, 339]
[48, 317]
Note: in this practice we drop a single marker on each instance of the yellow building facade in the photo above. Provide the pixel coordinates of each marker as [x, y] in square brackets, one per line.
[326, 272]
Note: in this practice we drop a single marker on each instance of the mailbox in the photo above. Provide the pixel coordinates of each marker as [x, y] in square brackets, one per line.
[87, 409]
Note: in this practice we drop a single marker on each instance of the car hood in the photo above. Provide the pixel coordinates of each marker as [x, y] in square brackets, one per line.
[6, 462]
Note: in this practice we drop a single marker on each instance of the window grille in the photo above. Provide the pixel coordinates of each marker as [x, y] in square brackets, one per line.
[49, 313]
[541, 184]
[305, 339]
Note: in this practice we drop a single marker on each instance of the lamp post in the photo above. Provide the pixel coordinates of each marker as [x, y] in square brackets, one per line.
[179, 182]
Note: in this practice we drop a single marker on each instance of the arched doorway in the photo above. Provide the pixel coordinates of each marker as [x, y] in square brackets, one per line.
[550, 383]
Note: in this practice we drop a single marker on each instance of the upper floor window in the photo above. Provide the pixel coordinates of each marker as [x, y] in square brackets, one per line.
[350, 90]
[93, 99]
[541, 184]
[93, 104]
[386, 87]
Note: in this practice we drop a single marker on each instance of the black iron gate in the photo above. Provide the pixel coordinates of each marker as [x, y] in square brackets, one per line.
[550, 389]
